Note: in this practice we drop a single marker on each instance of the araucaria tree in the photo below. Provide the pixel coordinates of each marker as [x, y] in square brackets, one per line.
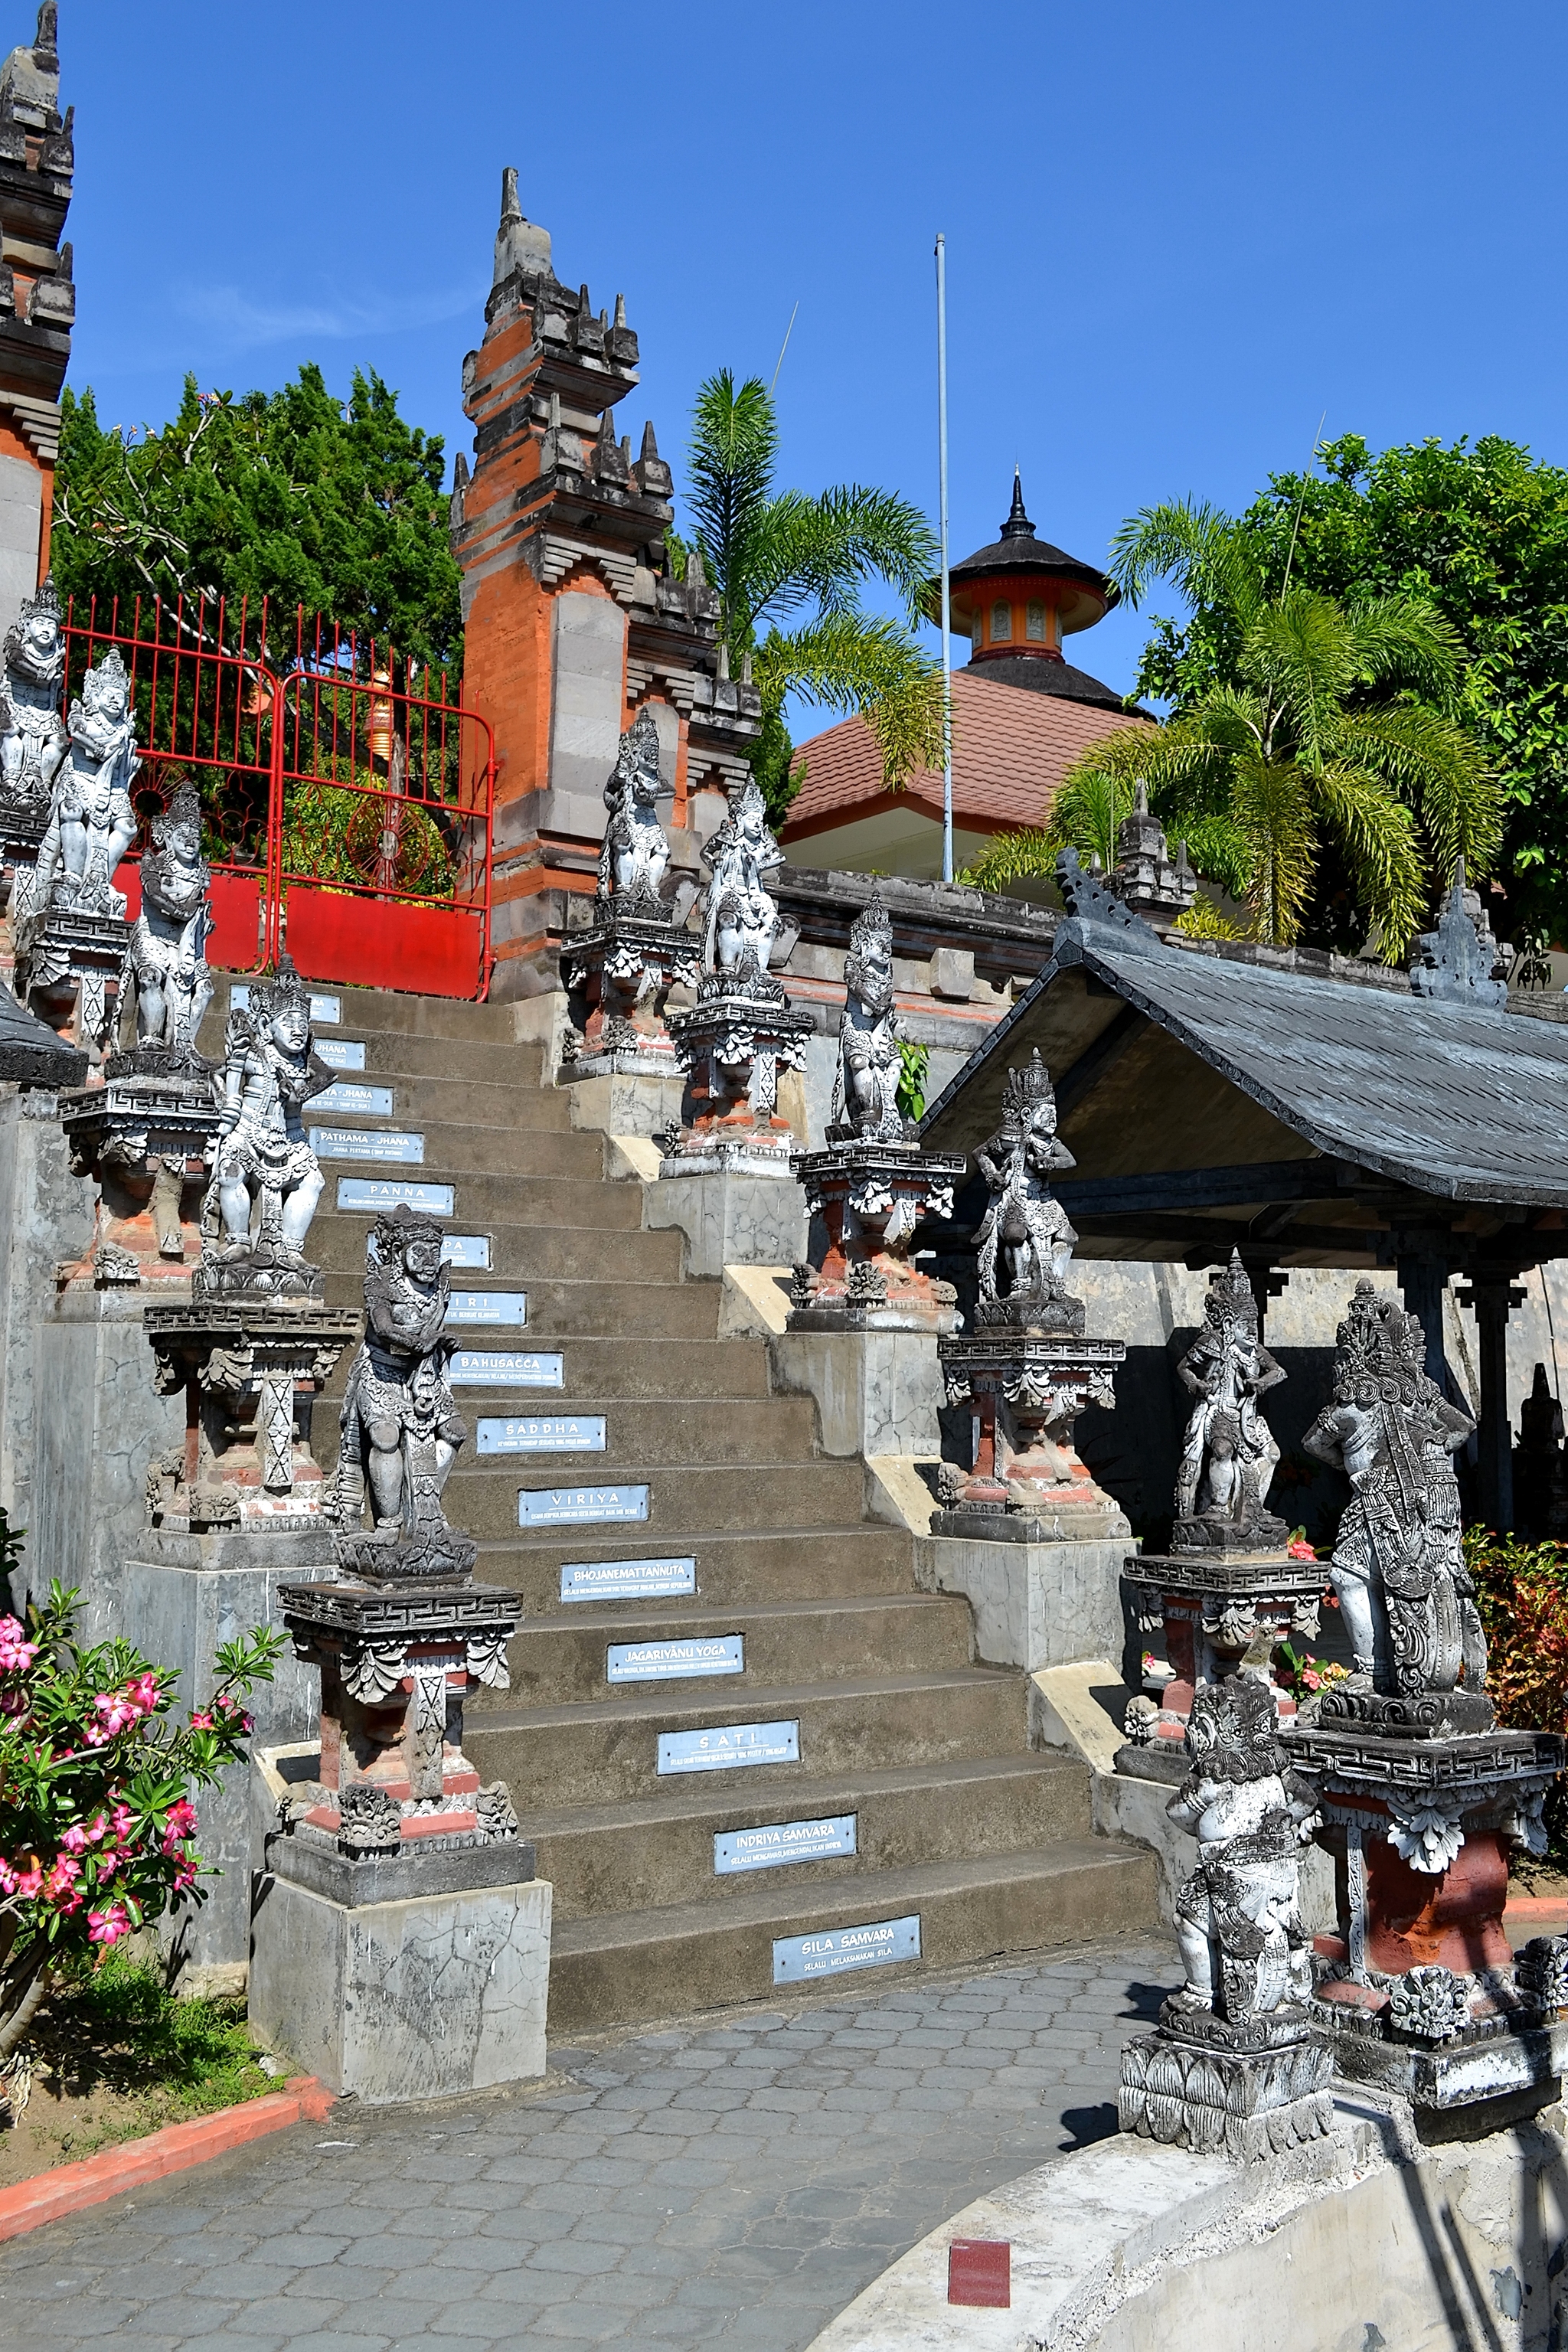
[789, 568]
[290, 494]
[1317, 770]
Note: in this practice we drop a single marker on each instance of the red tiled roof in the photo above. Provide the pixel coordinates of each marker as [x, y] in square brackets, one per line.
[1010, 750]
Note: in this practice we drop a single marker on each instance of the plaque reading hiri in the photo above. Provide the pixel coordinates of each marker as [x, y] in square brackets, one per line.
[628, 1580]
[495, 1307]
[728, 1745]
[833, 1950]
[345, 1099]
[772, 1844]
[568, 1507]
[385, 1192]
[473, 1250]
[368, 1143]
[503, 1368]
[543, 1432]
[663, 1661]
[339, 1054]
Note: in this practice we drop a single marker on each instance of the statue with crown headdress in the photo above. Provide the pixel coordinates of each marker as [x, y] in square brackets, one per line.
[267, 1180]
[33, 737]
[1228, 1454]
[168, 940]
[1026, 1240]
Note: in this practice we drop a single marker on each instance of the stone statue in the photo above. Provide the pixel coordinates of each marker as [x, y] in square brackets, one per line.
[400, 1428]
[635, 853]
[91, 822]
[1398, 1569]
[1229, 1454]
[33, 738]
[1024, 1244]
[1238, 1922]
[262, 1160]
[865, 1087]
[739, 855]
[168, 944]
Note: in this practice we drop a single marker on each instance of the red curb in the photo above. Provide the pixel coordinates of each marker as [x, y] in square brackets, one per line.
[70, 2187]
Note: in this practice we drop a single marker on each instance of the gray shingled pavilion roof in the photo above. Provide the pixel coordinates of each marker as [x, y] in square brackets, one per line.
[31, 1053]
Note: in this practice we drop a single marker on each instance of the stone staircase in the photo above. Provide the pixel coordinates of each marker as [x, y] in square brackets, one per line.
[957, 1821]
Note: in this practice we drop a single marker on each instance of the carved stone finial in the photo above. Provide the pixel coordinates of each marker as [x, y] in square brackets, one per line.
[521, 244]
[1094, 907]
[1143, 877]
[1459, 959]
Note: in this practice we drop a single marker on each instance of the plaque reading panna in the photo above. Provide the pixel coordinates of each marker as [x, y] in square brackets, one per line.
[496, 1307]
[503, 1368]
[666, 1662]
[626, 1580]
[569, 1506]
[772, 1844]
[368, 1143]
[728, 1745]
[832, 1951]
[344, 1099]
[472, 1250]
[385, 1192]
[339, 1054]
[543, 1432]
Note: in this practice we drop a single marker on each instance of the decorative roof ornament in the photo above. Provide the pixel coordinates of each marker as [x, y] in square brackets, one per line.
[1094, 907]
[1143, 877]
[1460, 958]
[1017, 525]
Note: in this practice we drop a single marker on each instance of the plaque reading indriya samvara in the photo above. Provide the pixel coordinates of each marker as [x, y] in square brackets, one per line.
[772, 1844]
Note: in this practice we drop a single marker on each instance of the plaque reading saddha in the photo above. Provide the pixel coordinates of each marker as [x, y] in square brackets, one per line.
[345, 1099]
[367, 1143]
[385, 1192]
[772, 1844]
[339, 1054]
[567, 1506]
[543, 1432]
[833, 1950]
[666, 1662]
[503, 1368]
[485, 1306]
[728, 1745]
[473, 1250]
[626, 1580]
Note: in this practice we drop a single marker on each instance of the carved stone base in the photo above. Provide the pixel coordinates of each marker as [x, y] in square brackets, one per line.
[1210, 1533]
[1028, 1484]
[867, 1197]
[625, 968]
[144, 1136]
[1218, 1606]
[1503, 2058]
[1201, 2085]
[734, 1044]
[396, 1556]
[69, 966]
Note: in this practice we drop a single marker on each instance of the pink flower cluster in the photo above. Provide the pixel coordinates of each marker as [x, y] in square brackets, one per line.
[1300, 1550]
[15, 1654]
[116, 1711]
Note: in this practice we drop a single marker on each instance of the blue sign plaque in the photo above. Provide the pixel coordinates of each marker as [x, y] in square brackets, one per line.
[669, 1661]
[543, 1432]
[341, 1054]
[473, 1250]
[626, 1580]
[771, 1844]
[571, 1507]
[484, 1306]
[322, 1008]
[833, 1950]
[503, 1368]
[348, 1101]
[727, 1744]
[385, 1192]
[367, 1143]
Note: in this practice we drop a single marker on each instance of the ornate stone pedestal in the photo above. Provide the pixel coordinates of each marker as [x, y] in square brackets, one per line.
[251, 1366]
[1247, 2091]
[1418, 1987]
[733, 1043]
[145, 1136]
[625, 967]
[1028, 1484]
[1217, 1607]
[69, 969]
[22, 825]
[866, 1197]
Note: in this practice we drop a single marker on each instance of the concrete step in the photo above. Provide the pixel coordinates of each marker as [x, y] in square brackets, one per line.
[367, 1009]
[573, 1164]
[558, 1659]
[483, 1062]
[482, 1499]
[808, 1564]
[520, 1255]
[742, 1432]
[595, 1752]
[635, 1966]
[442, 1104]
[607, 1858]
[671, 1371]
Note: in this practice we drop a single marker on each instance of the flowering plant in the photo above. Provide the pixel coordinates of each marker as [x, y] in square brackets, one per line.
[96, 1821]
[1305, 1675]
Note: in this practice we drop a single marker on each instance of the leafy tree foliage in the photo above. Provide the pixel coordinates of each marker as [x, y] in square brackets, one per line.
[288, 495]
[1480, 533]
[789, 568]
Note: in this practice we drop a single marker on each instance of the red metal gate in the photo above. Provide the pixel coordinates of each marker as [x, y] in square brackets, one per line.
[348, 817]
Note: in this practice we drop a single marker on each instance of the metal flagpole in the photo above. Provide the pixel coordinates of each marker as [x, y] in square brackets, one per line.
[946, 613]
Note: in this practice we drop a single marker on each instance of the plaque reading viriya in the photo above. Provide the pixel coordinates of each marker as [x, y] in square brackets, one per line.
[569, 1506]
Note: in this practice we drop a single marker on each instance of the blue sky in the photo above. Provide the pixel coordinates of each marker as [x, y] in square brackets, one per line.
[1176, 235]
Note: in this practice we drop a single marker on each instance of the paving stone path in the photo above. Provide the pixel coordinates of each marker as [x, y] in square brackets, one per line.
[731, 2179]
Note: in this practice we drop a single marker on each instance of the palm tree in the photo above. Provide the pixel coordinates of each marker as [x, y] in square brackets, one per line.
[788, 570]
[1326, 735]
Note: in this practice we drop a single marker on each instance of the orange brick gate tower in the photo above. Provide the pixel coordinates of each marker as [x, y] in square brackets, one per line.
[574, 618]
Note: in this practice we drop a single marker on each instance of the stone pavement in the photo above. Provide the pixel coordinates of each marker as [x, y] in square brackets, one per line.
[738, 2176]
